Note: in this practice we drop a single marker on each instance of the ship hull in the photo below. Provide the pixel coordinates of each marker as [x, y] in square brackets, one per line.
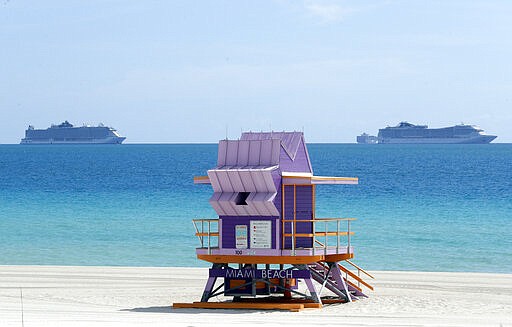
[482, 139]
[107, 140]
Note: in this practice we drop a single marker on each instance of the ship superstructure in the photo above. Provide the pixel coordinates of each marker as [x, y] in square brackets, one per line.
[406, 132]
[66, 133]
[367, 139]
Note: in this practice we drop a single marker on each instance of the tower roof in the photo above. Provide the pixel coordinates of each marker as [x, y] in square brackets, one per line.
[289, 140]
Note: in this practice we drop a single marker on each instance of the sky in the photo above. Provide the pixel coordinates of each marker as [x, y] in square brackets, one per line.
[199, 71]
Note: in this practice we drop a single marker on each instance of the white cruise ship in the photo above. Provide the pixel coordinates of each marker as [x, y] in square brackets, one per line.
[66, 133]
[406, 132]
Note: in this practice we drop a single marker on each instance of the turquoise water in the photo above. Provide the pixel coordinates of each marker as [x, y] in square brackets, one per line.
[419, 207]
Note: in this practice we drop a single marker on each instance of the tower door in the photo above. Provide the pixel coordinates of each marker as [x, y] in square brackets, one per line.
[297, 212]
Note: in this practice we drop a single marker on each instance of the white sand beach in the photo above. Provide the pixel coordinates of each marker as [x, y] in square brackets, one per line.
[133, 296]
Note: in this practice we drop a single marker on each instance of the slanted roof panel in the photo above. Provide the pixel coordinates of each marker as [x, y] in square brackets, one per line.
[214, 181]
[221, 156]
[236, 181]
[266, 152]
[254, 153]
[276, 148]
[224, 182]
[259, 180]
[243, 153]
[214, 201]
[263, 203]
[232, 153]
[245, 176]
[289, 140]
[247, 179]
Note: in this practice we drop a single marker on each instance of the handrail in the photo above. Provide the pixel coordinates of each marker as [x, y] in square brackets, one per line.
[354, 285]
[331, 228]
[318, 234]
[348, 273]
[334, 219]
[317, 219]
[359, 268]
[321, 244]
[209, 233]
[351, 274]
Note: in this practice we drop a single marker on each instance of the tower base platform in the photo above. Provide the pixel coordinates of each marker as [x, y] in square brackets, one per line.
[293, 306]
[268, 303]
[252, 287]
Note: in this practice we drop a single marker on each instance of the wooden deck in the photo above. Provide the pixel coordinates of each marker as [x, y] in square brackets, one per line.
[249, 259]
[293, 306]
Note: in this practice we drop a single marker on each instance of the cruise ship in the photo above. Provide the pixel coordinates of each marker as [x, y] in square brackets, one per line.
[66, 133]
[367, 139]
[406, 132]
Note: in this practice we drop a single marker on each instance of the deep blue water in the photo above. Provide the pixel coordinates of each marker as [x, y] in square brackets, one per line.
[419, 207]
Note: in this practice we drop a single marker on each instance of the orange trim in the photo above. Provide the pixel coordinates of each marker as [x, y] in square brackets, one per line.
[354, 285]
[333, 233]
[359, 268]
[247, 305]
[299, 235]
[282, 214]
[322, 219]
[232, 283]
[239, 282]
[299, 184]
[249, 259]
[298, 177]
[313, 189]
[338, 257]
[322, 178]
[201, 178]
[351, 274]
[208, 234]
[319, 234]
[294, 214]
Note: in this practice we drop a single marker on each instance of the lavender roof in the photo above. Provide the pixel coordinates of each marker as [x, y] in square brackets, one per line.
[248, 153]
[255, 166]
[289, 140]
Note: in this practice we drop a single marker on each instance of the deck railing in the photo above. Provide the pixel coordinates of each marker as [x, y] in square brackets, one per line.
[356, 278]
[324, 232]
[207, 228]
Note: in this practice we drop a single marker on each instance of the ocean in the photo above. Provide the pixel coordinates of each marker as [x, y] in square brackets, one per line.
[418, 207]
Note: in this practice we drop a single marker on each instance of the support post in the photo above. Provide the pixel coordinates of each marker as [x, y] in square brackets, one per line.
[209, 285]
[348, 236]
[340, 281]
[208, 289]
[312, 290]
[311, 287]
[326, 278]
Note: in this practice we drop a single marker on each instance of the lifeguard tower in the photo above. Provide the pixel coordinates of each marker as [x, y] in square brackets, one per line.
[267, 237]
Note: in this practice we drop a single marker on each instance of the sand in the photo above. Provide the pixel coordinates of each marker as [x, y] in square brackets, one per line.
[120, 296]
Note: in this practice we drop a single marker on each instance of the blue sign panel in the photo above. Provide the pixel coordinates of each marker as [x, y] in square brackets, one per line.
[260, 273]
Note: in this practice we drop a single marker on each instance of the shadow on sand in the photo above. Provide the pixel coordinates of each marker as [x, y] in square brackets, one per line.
[170, 309]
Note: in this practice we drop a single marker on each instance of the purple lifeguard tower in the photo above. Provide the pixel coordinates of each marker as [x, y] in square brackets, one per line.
[267, 237]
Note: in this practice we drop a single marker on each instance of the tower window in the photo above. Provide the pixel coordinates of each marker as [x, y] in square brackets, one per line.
[241, 198]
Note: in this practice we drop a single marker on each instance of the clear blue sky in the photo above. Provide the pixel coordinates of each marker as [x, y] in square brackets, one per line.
[184, 71]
